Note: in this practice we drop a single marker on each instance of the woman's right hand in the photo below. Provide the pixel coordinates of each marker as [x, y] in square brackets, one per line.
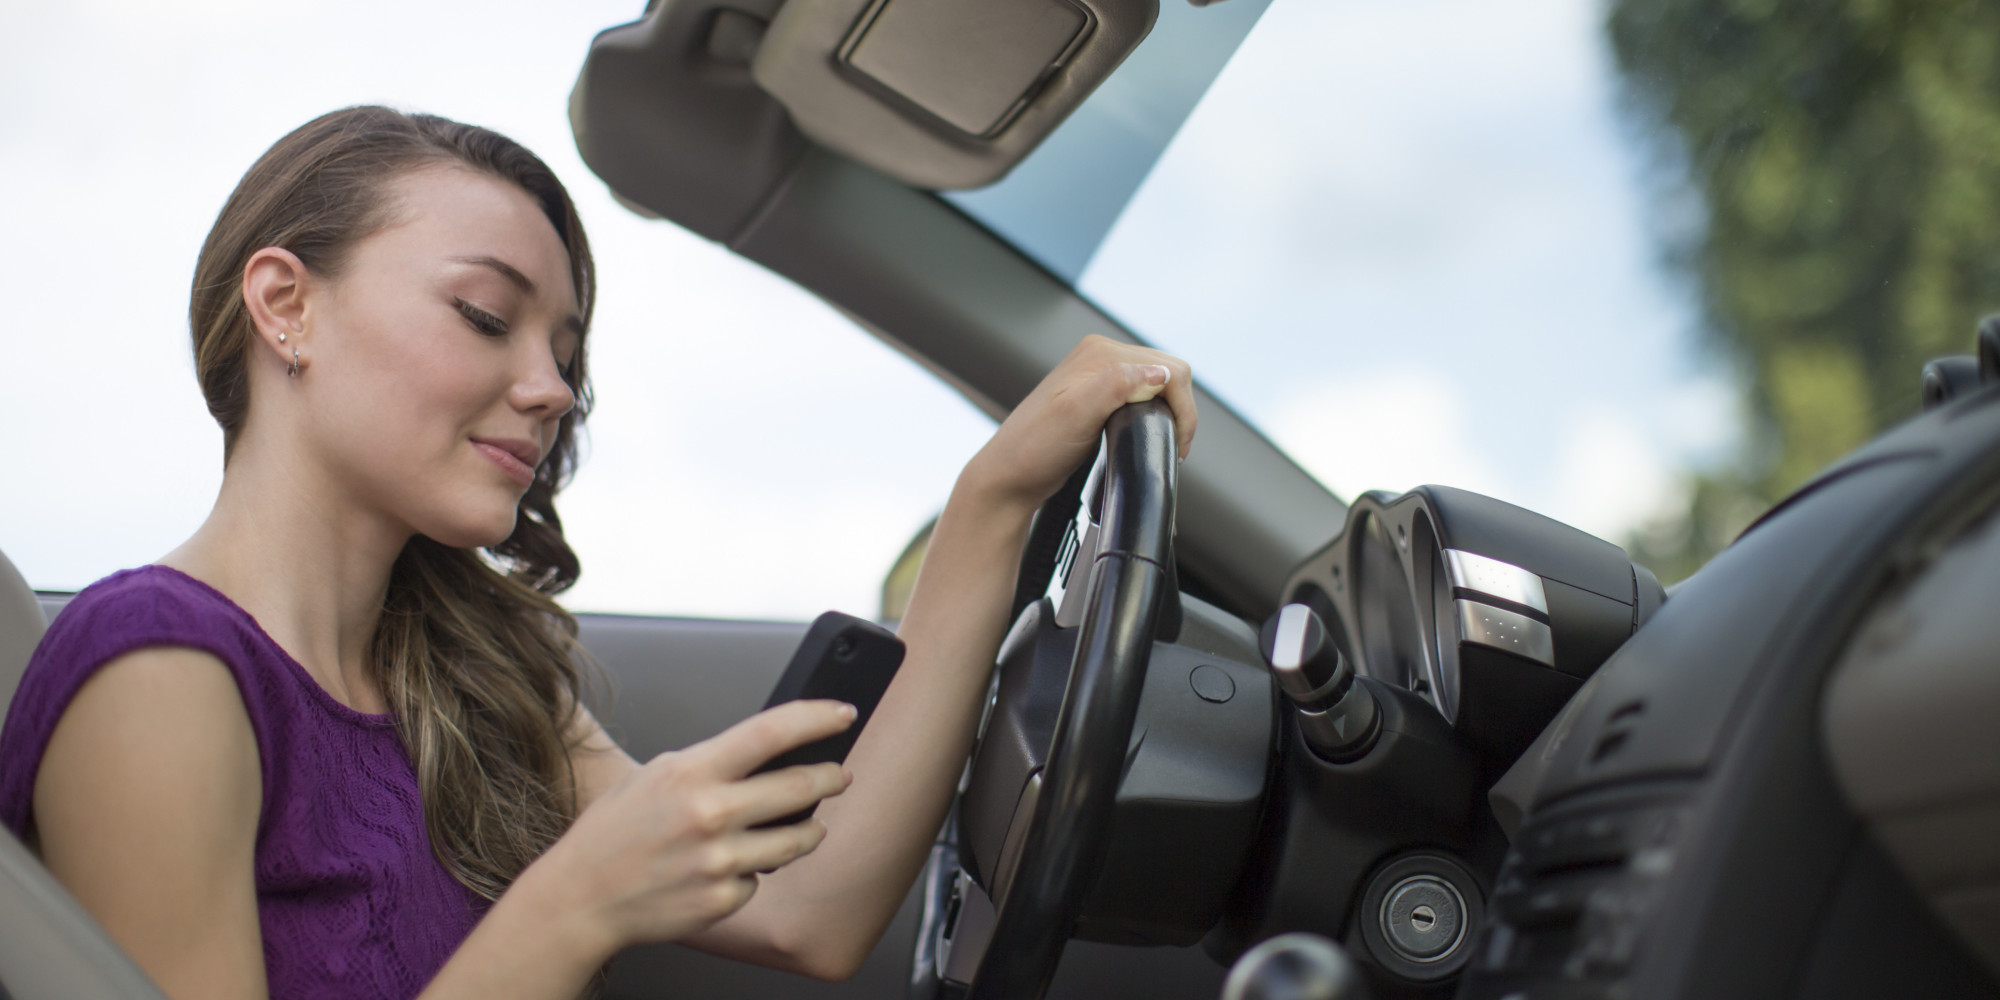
[668, 851]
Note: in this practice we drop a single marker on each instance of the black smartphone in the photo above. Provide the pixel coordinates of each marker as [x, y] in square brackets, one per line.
[843, 658]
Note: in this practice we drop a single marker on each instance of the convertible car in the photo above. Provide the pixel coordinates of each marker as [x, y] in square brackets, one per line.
[1245, 738]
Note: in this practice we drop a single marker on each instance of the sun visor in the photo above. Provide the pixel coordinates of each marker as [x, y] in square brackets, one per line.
[942, 94]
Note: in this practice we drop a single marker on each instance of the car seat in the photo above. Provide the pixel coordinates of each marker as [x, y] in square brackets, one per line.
[50, 949]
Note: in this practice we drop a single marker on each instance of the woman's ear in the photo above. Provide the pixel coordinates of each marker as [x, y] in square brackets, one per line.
[274, 292]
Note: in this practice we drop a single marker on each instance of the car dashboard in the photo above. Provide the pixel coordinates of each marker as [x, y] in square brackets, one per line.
[1776, 783]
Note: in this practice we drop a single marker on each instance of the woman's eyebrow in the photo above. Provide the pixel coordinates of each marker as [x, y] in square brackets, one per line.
[518, 280]
[504, 269]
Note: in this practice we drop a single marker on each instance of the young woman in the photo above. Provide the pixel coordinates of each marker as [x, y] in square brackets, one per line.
[332, 745]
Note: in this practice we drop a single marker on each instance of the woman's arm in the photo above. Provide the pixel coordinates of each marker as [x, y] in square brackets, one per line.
[146, 809]
[823, 919]
[823, 914]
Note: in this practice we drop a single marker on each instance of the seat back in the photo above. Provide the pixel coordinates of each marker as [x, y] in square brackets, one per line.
[21, 626]
[50, 949]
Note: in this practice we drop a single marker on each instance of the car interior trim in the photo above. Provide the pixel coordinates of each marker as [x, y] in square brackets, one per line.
[1508, 631]
[940, 95]
[1484, 575]
[22, 622]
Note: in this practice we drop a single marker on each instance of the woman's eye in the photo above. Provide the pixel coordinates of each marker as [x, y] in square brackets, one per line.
[481, 320]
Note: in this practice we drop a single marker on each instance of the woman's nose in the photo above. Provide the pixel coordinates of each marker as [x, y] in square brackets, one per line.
[543, 391]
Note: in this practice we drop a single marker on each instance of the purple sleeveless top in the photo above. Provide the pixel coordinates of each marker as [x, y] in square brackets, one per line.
[351, 900]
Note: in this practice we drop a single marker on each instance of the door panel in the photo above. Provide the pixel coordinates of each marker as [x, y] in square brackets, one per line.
[676, 681]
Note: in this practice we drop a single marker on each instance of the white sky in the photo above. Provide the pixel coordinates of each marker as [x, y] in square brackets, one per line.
[1410, 216]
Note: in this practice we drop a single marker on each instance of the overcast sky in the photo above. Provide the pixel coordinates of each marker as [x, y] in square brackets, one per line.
[1415, 218]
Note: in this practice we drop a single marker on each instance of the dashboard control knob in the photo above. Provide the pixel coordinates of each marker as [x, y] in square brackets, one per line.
[1297, 966]
[1308, 665]
[1337, 716]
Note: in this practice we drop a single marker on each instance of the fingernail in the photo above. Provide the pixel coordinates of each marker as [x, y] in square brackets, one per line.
[848, 712]
[1158, 374]
[848, 774]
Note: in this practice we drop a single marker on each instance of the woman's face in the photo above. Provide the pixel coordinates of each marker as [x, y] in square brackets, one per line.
[436, 359]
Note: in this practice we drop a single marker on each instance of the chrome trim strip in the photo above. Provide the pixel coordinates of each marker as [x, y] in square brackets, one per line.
[1506, 630]
[1485, 575]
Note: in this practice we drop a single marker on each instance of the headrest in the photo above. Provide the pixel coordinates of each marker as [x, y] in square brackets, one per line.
[21, 625]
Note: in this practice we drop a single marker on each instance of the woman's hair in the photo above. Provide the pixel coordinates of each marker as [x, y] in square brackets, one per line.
[476, 659]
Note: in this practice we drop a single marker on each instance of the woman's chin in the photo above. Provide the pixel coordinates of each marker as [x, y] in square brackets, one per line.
[474, 532]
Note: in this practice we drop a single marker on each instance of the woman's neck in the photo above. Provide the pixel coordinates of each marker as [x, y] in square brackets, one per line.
[311, 564]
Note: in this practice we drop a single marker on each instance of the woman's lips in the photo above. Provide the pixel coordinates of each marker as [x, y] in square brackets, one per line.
[520, 472]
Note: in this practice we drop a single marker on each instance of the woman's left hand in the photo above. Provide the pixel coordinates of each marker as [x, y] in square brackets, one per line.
[1058, 425]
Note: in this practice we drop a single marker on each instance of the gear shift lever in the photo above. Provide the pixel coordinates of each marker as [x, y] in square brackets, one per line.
[1295, 966]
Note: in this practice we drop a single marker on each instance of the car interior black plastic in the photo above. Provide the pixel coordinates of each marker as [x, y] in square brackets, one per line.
[1053, 530]
[1189, 799]
[1908, 722]
[1386, 584]
[1327, 826]
[1948, 377]
[1688, 838]
[1986, 346]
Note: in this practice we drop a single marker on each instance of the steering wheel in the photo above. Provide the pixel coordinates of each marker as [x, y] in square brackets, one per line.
[1130, 581]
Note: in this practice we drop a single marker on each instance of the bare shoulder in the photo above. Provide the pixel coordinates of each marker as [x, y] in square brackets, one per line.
[146, 807]
[164, 717]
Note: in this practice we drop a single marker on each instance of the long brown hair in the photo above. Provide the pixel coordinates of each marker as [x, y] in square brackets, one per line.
[476, 659]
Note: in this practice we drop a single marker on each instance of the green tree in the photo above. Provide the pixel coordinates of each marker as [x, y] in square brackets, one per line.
[1845, 155]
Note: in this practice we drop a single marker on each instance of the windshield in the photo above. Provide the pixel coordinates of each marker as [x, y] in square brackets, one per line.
[1643, 267]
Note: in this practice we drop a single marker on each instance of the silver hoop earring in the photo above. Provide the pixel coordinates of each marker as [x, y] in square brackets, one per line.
[294, 370]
